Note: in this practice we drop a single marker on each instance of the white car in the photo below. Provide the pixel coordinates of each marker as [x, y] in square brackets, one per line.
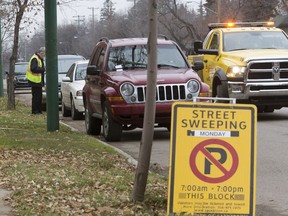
[64, 63]
[71, 90]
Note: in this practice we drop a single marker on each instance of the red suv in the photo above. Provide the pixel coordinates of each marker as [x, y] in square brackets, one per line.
[115, 90]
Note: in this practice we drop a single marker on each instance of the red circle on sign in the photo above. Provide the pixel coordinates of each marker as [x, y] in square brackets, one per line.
[201, 148]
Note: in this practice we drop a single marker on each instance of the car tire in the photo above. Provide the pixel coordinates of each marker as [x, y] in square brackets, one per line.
[65, 111]
[75, 114]
[221, 93]
[112, 131]
[92, 125]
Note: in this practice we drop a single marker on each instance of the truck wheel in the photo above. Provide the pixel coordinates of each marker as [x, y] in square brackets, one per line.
[112, 131]
[93, 125]
[221, 93]
[75, 114]
[65, 111]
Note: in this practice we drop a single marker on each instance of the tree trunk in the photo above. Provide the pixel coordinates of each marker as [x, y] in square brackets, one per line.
[13, 58]
[142, 170]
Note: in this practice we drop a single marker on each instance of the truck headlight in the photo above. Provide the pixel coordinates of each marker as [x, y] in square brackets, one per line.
[193, 86]
[236, 72]
[127, 89]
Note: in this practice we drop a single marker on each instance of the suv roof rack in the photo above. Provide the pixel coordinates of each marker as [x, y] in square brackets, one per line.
[163, 36]
[106, 39]
[240, 24]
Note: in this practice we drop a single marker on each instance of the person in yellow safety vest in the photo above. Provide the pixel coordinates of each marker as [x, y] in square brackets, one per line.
[35, 76]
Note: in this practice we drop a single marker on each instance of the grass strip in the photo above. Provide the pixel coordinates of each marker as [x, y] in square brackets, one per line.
[67, 172]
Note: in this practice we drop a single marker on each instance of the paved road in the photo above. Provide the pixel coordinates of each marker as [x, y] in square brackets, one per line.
[272, 160]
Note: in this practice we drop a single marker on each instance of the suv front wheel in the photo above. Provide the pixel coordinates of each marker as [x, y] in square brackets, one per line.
[112, 131]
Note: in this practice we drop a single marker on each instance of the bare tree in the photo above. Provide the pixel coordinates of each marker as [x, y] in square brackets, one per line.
[283, 6]
[15, 13]
[251, 12]
[19, 7]
[177, 21]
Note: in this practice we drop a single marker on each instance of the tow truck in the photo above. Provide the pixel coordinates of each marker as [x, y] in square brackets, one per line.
[247, 61]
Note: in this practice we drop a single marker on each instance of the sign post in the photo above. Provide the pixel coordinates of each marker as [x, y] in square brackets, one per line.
[212, 159]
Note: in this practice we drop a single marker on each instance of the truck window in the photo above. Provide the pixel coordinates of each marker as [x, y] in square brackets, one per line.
[215, 42]
[254, 40]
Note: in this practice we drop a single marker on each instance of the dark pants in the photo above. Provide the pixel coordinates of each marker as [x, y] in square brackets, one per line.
[36, 99]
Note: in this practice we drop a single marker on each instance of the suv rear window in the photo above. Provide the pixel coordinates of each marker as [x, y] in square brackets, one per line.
[136, 57]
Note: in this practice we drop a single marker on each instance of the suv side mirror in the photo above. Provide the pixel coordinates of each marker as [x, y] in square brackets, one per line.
[93, 70]
[198, 65]
[197, 46]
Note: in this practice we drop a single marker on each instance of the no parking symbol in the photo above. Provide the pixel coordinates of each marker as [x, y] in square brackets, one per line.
[222, 149]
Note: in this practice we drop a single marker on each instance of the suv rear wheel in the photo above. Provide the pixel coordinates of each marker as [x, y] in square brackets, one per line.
[112, 131]
[93, 125]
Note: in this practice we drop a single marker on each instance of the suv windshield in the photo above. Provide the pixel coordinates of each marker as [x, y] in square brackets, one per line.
[254, 40]
[136, 57]
[21, 68]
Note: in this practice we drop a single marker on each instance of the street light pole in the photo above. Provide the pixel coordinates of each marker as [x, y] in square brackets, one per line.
[209, 9]
[51, 65]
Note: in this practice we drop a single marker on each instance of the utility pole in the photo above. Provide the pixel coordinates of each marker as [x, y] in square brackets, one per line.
[93, 18]
[79, 20]
[219, 11]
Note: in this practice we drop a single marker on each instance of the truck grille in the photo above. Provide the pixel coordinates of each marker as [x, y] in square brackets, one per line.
[164, 93]
[268, 71]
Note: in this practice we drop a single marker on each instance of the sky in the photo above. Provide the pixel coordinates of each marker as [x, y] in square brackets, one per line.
[80, 9]
[84, 9]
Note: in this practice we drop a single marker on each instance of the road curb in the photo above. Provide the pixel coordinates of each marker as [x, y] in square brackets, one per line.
[129, 157]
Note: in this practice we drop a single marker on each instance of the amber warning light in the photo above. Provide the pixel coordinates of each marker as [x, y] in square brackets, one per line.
[240, 24]
[230, 25]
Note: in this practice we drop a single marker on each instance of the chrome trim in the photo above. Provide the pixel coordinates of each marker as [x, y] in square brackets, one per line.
[164, 93]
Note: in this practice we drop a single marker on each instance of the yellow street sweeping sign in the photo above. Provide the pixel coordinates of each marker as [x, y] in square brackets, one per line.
[212, 159]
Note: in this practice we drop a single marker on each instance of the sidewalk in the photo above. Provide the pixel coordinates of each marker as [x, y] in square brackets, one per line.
[4, 209]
